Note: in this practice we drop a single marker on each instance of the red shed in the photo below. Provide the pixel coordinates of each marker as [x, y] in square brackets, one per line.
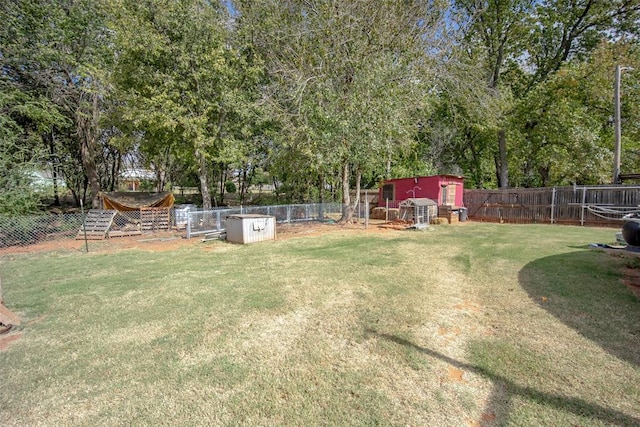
[446, 190]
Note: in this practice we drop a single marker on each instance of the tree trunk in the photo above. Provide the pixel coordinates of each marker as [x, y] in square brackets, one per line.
[89, 163]
[54, 169]
[321, 184]
[346, 197]
[321, 196]
[388, 168]
[503, 165]
[276, 189]
[243, 184]
[203, 176]
[223, 181]
[85, 185]
[545, 174]
[87, 127]
[356, 202]
[161, 179]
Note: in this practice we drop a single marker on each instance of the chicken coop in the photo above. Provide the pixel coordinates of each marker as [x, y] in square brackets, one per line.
[418, 210]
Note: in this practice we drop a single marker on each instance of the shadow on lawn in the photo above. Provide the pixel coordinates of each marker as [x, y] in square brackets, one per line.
[584, 291]
[504, 389]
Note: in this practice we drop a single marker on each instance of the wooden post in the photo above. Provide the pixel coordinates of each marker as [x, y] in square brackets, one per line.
[553, 203]
[84, 227]
[366, 209]
[188, 224]
[387, 212]
[582, 205]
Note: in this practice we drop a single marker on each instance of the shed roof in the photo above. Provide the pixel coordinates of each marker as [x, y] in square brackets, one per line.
[448, 176]
[421, 201]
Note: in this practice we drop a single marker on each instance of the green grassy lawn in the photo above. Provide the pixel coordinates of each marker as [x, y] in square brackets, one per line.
[477, 324]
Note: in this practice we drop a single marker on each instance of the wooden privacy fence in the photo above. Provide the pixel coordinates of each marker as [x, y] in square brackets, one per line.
[580, 205]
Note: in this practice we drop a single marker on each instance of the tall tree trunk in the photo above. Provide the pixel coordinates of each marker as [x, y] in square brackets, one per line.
[115, 171]
[203, 176]
[54, 169]
[356, 202]
[243, 184]
[223, 181]
[323, 183]
[87, 154]
[545, 174]
[161, 179]
[87, 126]
[321, 190]
[388, 168]
[346, 197]
[276, 188]
[85, 185]
[503, 165]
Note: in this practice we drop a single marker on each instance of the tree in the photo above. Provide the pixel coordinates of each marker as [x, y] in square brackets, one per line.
[523, 43]
[23, 119]
[58, 51]
[186, 84]
[495, 38]
[347, 81]
[565, 122]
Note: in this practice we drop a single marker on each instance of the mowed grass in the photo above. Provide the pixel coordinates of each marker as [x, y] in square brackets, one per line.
[476, 324]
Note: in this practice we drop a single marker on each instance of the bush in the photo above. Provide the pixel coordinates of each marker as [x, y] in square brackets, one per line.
[230, 187]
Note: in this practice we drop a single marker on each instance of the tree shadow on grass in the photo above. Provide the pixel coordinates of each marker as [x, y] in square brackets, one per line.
[584, 291]
[505, 389]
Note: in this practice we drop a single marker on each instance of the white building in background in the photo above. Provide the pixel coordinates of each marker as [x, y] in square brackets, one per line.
[132, 178]
[43, 180]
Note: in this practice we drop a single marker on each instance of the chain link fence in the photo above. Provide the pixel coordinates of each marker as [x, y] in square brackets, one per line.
[199, 222]
[31, 229]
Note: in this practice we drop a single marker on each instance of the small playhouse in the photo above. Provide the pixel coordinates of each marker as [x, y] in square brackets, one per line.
[413, 196]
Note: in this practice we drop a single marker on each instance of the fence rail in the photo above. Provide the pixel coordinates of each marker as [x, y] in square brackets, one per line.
[578, 205]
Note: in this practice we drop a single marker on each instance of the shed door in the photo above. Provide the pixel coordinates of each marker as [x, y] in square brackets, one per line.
[448, 194]
[387, 192]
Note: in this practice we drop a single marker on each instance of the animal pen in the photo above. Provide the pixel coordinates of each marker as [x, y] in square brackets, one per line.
[575, 205]
[211, 223]
[418, 210]
[128, 214]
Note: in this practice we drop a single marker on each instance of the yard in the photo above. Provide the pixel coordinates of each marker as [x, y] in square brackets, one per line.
[470, 324]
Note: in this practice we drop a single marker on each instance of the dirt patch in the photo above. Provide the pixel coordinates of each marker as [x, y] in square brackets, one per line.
[446, 331]
[455, 375]
[6, 340]
[287, 231]
[488, 416]
[468, 306]
[155, 242]
[171, 240]
[631, 279]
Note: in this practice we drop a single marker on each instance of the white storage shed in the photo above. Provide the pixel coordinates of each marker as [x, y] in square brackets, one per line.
[248, 228]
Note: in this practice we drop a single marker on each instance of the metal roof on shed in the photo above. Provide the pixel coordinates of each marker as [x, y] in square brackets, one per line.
[422, 201]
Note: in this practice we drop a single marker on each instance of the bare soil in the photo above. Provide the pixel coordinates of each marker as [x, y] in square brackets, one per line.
[631, 279]
[166, 241]
[6, 340]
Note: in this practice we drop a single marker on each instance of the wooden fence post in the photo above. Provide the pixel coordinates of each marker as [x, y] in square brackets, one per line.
[553, 203]
[582, 207]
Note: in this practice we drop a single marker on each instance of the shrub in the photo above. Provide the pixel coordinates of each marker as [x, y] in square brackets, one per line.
[230, 187]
